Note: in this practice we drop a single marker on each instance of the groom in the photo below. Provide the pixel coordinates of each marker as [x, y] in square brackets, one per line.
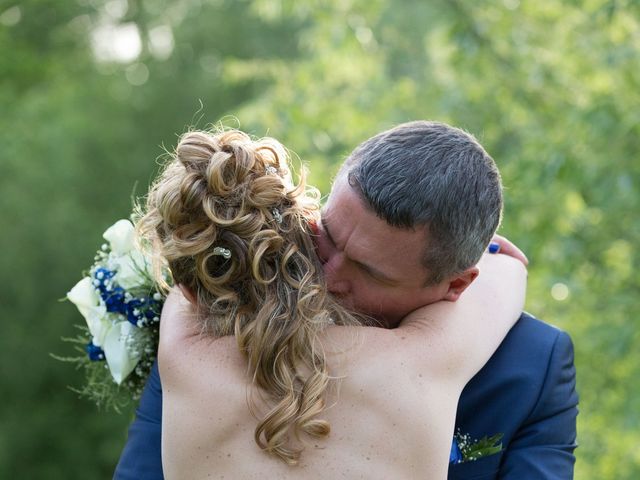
[429, 174]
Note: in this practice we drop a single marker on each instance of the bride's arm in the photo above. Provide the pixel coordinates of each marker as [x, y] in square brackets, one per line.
[453, 340]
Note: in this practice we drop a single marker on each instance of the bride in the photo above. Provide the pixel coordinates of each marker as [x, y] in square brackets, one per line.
[264, 375]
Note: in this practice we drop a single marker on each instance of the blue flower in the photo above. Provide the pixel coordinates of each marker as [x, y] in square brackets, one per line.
[114, 300]
[142, 311]
[153, 309]
[456, 454]
[133, 310]
[95, 353]
[102, 276]
[113, 296]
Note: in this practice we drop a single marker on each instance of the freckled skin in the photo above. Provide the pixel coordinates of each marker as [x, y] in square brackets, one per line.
[392, 417]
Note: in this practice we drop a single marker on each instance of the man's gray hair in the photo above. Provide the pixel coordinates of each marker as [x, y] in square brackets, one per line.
[433, 175]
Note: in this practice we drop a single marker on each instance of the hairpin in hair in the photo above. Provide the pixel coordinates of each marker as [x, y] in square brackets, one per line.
[270, 170]
[223, 252]
[276, 215]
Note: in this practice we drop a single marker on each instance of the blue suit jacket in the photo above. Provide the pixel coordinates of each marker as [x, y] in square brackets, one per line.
[526, 391]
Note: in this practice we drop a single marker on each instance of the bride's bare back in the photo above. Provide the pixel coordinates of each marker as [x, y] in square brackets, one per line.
[385, 423]
[391, 417]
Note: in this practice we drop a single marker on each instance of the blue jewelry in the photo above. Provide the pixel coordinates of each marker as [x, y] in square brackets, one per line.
[494, 247]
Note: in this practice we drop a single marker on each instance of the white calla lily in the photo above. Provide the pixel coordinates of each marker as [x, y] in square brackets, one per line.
[99, 324]
[119, 357]
[84, 296]
[120, 236]
[130, 268]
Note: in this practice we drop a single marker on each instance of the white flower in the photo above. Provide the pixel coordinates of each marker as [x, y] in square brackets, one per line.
[84, 296]
[130, 268]
[120, 358]
[120, 236]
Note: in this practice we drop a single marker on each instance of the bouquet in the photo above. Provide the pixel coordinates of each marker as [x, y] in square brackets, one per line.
[121, 305]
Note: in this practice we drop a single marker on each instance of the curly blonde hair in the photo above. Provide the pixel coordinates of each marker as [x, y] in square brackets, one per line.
[223, 189]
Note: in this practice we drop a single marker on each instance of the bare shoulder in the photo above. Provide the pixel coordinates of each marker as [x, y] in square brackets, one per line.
[373, 358]
[185, 353]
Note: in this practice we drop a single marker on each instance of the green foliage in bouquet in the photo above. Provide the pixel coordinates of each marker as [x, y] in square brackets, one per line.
[98, 386]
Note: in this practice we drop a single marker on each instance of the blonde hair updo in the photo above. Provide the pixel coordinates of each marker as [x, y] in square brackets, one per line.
[225, 190]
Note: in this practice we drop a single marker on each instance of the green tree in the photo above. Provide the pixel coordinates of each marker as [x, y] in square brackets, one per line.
[550, 89]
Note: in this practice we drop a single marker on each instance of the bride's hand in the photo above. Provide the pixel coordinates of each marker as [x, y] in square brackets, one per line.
[507, 247]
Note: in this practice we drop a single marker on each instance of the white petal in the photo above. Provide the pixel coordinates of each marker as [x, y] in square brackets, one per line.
[120, 360]
[120, 236]
[98, 323]
[129, 269]
[84, 296]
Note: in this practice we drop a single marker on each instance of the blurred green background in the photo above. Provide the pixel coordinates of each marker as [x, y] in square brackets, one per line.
[91, 91]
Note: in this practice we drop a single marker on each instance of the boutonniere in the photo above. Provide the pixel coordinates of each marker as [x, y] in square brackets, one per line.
[466, 449]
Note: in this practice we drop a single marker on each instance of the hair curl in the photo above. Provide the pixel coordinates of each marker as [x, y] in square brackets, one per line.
[223, 189]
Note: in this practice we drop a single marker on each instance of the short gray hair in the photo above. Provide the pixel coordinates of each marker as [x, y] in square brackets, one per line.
[433, 175]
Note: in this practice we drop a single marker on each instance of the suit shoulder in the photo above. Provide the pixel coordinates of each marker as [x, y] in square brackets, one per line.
[529, 349]
[530, 332]
[533, 323]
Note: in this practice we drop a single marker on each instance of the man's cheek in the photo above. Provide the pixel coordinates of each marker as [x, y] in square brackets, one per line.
[322, 248]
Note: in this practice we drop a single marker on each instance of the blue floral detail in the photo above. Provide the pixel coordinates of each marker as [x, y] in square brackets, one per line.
[103, 275]
[95, 353]
[456, 454]
[134, 310]
[113, 296]
[114, 300]
[142, 311]
[153, 310]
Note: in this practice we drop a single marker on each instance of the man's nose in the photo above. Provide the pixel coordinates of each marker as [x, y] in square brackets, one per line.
[336, 275]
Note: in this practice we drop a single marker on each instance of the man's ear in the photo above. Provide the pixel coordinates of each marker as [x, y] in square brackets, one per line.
[188, 294]
[460, 283]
